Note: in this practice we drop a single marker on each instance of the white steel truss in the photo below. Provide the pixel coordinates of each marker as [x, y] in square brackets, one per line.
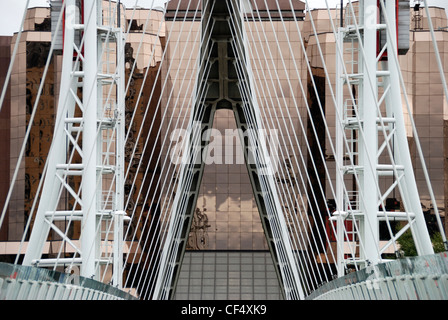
[375, 147]
[85, 164]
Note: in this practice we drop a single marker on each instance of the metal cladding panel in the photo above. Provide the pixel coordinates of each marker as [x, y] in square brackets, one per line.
[57, 37]
[260, 9]
[403, 26]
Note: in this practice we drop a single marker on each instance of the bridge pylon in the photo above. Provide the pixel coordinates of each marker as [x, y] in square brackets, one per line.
[371, 134]
[83, 184]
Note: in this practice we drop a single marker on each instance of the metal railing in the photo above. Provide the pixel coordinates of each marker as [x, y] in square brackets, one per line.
[29, 283]
[412, 278]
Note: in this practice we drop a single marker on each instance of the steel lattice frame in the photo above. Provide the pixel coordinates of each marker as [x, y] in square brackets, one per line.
[92, 130]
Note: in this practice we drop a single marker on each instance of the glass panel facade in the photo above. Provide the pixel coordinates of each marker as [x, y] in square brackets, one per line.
[228, 275]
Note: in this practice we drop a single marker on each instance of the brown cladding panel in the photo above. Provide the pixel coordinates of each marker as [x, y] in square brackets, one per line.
[5, 113]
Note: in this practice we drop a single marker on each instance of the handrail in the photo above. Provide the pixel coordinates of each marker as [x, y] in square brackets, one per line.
[28, 273]
[429, 266]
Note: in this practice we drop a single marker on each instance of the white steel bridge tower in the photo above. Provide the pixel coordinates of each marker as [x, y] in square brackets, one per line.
[86, 125]
[371, 138]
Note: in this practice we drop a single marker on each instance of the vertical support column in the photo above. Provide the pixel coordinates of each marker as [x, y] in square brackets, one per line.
[119, 171]
[409, 187]
[339, 155]
[90, 98]
[369, 144]
[117, 276]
